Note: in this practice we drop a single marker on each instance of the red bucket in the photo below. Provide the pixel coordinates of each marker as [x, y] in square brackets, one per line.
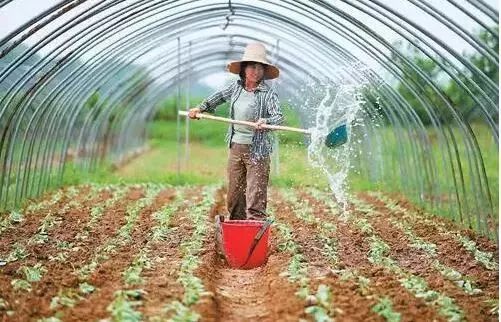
[238, 238]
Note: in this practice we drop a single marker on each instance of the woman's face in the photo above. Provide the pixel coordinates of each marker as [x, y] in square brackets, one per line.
[254, 72]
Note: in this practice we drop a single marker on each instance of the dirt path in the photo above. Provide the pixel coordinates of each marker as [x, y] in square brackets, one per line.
[258, 294]
[160, 281]
[243, 296]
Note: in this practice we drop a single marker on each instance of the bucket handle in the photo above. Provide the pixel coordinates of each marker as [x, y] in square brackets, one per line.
[257, 238]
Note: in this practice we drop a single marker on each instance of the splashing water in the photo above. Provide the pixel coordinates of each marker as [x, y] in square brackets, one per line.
[334, 163]
[325, 106]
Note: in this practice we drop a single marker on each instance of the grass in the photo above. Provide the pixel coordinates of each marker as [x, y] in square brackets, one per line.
[207, 164]
[205, 160]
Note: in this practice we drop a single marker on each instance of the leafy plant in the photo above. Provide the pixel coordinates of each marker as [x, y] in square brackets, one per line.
[451, 274]
[193, 288]
[303, 292]
[18, 253]
[132, 275]
[163, 217]
[48, 222]
[60, 257]
[67, 298]
[96, 213]
[329, 250]
[123, 235]
[33, 274]
[288, 244]
[378, 251]
[20, 284]
[86, 288]
[15, 217]
[384, 308]
[484, 258]
[182, 313]
[324, 295]
[322, 310]
[318, 313]
[365, 226]
[122, 307]
[40, 238]
[363, 284]
[449, 309]
[416, 242]
[419, 287]
[297, 268]
[64, 245]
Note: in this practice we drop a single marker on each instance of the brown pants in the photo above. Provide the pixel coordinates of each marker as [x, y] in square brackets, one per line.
[247, 184]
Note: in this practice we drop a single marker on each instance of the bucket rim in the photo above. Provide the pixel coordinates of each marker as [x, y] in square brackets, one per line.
[244, 222]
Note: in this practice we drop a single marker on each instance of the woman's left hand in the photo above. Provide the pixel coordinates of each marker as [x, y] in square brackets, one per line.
[260, 123]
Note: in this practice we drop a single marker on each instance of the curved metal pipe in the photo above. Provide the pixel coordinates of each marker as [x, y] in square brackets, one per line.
[464, 166]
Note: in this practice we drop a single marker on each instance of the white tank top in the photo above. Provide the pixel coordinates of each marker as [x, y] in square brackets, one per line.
[243, 110]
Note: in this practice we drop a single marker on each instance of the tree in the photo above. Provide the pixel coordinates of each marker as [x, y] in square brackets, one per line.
[462, 100]
[414, 87]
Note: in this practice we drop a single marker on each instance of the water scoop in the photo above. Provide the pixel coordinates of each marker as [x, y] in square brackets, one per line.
[335, 138]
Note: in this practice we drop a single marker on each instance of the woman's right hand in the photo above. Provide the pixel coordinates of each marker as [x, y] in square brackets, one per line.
[192, 113]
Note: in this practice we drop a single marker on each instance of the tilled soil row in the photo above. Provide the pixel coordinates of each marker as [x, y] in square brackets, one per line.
[259, 294]
[349, 304]
[430, 230]
[353, 249]
[160, 282]
[26, 304]
[449, 250]
[69, 224]
[32, 220]
[419, 263]
[108, 277]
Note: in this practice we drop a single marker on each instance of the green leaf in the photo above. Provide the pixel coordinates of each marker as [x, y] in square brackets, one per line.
[384, 308]
[19, 284]
[182, 312]
[323, 295]
[319, 314]
[86, 288]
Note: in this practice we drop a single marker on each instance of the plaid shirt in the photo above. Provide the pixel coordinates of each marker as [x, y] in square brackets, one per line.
[266, 106]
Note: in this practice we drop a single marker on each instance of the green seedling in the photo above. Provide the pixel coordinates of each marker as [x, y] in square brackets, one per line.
[384, 308]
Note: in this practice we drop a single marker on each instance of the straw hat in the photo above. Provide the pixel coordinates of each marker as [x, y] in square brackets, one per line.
[257, 53]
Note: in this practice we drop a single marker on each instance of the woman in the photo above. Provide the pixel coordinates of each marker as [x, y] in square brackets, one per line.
[251, 99]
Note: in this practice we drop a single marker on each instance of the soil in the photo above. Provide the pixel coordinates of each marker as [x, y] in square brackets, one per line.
[259, 294]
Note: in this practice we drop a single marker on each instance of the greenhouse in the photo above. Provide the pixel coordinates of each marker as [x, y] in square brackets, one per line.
[245, 160]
